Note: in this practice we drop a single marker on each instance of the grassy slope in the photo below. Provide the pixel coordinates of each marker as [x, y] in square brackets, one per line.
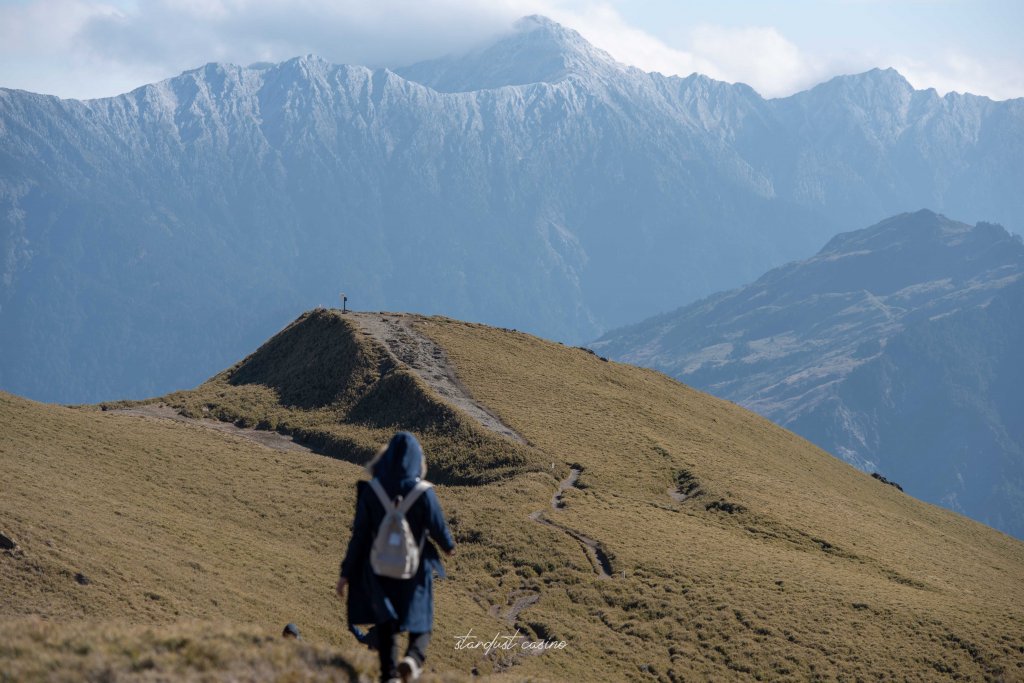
[167, 522]
[826, 571]
[85, 651]
[818, 571]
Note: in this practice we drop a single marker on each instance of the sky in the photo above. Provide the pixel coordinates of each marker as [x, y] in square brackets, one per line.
[98, 48]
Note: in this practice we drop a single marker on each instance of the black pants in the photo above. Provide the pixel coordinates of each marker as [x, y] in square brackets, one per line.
[387, 647]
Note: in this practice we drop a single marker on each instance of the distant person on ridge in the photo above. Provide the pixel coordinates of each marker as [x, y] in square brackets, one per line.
[389, 564]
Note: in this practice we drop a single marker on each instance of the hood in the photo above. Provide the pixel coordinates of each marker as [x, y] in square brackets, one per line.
[401, 465]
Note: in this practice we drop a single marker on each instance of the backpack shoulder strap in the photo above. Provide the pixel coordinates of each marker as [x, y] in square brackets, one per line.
[415, 493]
[382, 495]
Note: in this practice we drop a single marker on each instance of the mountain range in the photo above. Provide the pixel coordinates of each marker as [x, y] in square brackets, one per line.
[895, 347]
[534, 183]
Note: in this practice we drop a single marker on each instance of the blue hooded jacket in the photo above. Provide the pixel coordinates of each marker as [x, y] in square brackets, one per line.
[376, 599]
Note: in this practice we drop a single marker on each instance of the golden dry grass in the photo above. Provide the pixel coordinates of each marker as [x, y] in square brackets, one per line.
[818, 571]
[186, 651]
[166, 521]
[824, 571]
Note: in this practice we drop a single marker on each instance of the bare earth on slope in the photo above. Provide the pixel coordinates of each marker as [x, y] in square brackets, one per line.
[407, 345]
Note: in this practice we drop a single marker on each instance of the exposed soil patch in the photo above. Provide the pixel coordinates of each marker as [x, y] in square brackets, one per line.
[396, 332]
[686, 487]
[517, 601]
[518, 604]
[270, 439]
[563, 486]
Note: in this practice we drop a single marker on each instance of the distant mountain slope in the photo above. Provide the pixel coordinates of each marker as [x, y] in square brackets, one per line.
[148, 239]
[697, 541]
[896, 347]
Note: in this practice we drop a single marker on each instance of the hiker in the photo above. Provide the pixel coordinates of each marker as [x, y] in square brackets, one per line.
[395, 604]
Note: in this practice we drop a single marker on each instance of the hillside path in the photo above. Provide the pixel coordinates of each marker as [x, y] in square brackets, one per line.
[595, 553]
[160, 411]
[407, 345]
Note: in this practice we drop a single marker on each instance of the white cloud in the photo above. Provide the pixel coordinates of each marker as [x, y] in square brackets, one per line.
[89, 48]
[39, 50]
[756, 55]
[763, 58]
[186, 33]
[956, 72]
[604, 27]
[34, 28]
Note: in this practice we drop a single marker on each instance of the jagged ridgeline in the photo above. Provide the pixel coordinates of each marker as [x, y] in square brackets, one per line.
[535, 183]
[340, 392]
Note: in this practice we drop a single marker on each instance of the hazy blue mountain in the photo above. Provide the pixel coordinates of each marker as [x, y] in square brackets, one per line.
[149, 238]
[896, 347]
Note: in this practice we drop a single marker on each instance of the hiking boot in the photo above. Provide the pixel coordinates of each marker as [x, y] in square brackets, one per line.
[409, 670]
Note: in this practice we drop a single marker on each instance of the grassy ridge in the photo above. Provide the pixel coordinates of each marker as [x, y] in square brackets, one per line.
[322, 381]
[782, 562]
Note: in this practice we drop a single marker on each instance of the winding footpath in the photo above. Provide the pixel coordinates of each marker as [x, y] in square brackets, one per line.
[595, 553]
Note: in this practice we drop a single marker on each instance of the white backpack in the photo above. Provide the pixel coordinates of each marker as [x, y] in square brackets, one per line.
[395, 553]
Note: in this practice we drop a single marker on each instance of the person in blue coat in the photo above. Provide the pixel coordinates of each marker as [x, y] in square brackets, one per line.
[395, 605]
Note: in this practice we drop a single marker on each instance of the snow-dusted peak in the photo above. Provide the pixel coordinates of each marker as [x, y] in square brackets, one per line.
[876, 88]
[535, 50]
[880, 79]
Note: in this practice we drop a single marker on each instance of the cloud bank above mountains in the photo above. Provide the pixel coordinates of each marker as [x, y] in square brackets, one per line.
[94, 48]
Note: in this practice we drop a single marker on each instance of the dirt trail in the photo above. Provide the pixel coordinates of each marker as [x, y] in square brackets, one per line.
[563, 486]
[526, 598]
[595, 553]
[428, 360]
[518, 601]
[278, 442]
